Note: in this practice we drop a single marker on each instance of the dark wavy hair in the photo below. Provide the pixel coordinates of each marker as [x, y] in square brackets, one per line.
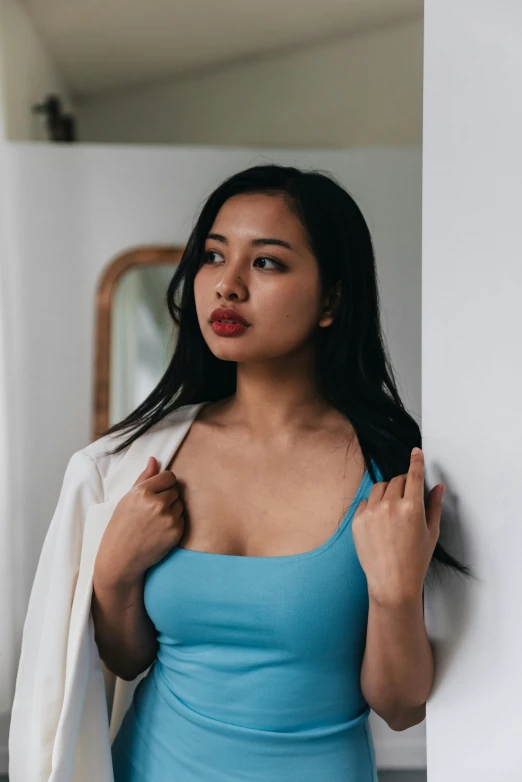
[355, 373]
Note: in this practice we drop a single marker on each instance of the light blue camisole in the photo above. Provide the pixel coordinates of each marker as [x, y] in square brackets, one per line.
[257, 677]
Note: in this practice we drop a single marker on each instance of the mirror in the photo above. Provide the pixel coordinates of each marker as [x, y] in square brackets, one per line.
[135, 335]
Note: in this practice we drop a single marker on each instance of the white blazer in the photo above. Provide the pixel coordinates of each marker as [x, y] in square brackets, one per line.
[67, 706]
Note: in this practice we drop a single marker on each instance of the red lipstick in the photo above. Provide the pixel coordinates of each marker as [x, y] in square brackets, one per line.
[227, 313]
[228, 329]
[236, 323]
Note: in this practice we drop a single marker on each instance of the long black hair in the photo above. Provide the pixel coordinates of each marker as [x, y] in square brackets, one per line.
[355, 372]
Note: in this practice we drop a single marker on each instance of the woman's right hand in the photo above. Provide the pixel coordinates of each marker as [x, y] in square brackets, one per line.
[145, 525]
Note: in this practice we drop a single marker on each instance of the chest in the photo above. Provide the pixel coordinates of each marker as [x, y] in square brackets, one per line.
[263, 501]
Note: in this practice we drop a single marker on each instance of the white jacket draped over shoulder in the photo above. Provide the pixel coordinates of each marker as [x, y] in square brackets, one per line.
[67, 706]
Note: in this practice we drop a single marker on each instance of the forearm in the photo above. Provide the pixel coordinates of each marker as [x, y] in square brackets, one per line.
[398, 666]
[124, 633]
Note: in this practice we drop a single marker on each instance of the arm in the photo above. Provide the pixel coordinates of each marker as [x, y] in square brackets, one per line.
[398, 665]
[124, 633]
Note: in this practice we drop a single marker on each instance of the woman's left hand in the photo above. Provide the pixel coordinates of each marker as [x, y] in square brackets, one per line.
[395, 535]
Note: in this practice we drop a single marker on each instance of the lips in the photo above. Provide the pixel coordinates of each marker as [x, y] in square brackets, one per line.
[222, 313]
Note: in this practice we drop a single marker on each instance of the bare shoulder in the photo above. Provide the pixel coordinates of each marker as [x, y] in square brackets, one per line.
[214, 413]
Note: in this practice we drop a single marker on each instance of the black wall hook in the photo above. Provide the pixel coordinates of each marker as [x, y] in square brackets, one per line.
[60, 126]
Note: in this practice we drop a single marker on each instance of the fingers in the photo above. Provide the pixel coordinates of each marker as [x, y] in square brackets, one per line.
[177, 506]
[415, 477]
[154, 480]
[377, 492]
[409, 485]
[170, 497]
[150, 469]
[162, 481]
[395, 488]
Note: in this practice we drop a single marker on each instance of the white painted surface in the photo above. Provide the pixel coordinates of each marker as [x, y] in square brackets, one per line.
[69, 212]
[28, 74]
[472, 373]
[144, 40]
[362, 90]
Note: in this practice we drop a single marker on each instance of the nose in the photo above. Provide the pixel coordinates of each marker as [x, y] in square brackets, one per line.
[231, 286]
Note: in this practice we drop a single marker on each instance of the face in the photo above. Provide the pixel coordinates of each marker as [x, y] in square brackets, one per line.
[274, 286]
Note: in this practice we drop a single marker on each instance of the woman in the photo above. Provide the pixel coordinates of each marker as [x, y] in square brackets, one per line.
[273, 574]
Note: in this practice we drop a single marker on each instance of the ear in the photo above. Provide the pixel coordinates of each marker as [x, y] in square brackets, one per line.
[331, 305]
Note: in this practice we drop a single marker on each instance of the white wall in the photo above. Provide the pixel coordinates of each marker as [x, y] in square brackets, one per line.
[361, 90]
[472, 375]
[70, 211]
[27, 72]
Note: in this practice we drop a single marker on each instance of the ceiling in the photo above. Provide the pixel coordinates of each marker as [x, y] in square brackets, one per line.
[100, 45]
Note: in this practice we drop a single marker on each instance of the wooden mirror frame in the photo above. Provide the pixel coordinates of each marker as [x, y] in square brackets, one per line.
[139, 256]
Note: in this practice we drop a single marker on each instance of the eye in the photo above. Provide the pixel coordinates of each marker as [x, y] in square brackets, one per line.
[207, 254]
[207, 259]
[270, 260]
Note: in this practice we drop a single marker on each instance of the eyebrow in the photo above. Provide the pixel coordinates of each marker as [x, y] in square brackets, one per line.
[255, 242]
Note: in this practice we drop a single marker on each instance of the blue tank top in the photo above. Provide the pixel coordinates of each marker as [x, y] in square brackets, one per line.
[257, 677]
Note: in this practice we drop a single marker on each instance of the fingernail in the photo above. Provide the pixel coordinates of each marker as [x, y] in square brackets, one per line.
[416, 450]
